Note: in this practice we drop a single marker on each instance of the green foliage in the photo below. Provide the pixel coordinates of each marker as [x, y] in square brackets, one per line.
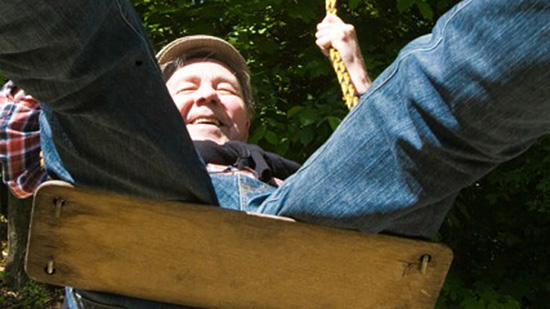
[499, 231]
[424, 8]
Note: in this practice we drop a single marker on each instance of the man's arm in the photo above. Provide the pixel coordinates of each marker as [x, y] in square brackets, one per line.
[20, 141]
[332, 32]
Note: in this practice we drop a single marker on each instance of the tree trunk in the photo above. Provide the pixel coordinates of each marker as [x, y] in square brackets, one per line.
[19, 214]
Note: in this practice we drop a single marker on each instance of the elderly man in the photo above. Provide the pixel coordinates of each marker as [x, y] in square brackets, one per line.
[454, 104]
[209, 82]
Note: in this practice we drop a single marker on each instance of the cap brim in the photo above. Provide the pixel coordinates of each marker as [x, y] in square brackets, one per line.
[190, 47]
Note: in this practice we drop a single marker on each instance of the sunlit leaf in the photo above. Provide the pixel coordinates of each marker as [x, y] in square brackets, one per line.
[425, 9]
[294, 110]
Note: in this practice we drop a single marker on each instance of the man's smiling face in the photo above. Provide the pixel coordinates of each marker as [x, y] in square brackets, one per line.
[210, 100]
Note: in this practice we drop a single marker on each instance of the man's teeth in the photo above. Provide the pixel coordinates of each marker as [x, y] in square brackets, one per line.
[211, 121]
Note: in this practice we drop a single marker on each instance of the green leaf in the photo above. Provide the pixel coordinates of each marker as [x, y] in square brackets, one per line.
[282, 148]
[302, 10]
[257, 134]
[308, 117]
[425, 9]
[353, 4]
[293, 111]
[306, 136]
[404, 5]
[272, 138]
[333, 122]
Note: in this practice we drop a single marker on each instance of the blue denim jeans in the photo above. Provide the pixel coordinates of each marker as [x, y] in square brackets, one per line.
[108, 120]
[453, 105]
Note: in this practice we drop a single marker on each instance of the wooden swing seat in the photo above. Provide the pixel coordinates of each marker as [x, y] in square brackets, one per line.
[210, 257]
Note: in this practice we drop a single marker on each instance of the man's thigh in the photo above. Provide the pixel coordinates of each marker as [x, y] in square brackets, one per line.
[451, 107]
[108, 120]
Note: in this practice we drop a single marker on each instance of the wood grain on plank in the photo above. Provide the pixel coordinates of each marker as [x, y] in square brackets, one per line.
[210, 257]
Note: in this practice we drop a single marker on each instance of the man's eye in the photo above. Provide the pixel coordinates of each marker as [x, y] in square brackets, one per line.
[226, 88]
[186, 90]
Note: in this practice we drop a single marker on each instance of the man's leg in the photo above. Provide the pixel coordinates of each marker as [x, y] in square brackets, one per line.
[109, 121]
[454, 104]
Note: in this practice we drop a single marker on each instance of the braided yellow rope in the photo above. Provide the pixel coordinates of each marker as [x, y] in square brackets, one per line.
[349, 91]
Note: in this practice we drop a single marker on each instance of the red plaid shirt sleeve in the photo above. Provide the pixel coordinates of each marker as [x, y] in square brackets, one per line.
[20, 150]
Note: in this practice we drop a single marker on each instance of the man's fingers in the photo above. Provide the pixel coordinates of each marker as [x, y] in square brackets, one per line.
[331, 32]
[325, 32]
[324, 44]
[323, 26]
[329, 20]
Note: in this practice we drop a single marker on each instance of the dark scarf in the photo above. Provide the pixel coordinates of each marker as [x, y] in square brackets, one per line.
[238, 154]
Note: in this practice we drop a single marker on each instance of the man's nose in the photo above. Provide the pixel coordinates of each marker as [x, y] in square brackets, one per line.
[206, 94]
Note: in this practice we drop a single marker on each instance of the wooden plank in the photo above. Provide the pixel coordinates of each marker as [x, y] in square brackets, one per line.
[209, 257]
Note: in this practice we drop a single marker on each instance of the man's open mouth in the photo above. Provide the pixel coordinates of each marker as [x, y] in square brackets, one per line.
[206, 120]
